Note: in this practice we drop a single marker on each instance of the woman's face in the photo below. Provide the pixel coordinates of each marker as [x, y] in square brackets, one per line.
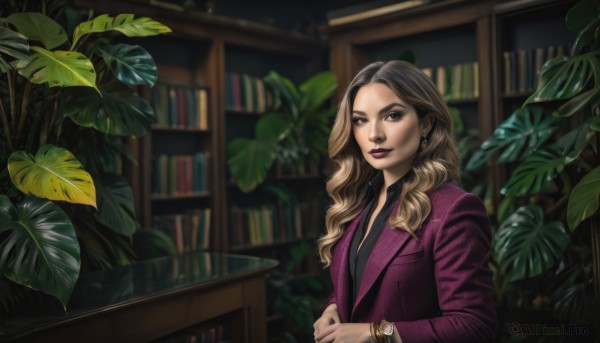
[386, 129]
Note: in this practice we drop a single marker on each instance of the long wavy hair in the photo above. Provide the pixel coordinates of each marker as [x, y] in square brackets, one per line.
[436, 163]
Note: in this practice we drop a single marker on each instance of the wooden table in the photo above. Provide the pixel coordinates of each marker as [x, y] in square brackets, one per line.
[150, 299]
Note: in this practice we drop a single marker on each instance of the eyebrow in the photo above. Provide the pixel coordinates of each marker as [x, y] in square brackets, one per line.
[383, 110]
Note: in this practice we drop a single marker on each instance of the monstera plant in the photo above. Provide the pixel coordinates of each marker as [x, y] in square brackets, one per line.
[294, 131]
[66, 100]
[543, 246]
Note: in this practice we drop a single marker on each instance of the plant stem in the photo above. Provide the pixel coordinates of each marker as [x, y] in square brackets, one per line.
[24, 103]
[13, 110]
[5, 124]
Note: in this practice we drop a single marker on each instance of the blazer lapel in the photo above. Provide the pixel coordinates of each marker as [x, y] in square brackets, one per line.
[390, 242]
[341, 253]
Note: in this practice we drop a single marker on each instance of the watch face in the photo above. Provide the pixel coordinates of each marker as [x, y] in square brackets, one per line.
[388, 329]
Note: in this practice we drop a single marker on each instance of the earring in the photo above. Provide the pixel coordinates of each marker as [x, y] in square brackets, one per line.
[423, 142]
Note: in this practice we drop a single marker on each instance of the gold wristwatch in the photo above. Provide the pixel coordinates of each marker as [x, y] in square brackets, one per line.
[386, 328]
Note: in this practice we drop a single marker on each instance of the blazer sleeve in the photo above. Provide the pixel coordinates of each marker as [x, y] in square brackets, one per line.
[463, 279]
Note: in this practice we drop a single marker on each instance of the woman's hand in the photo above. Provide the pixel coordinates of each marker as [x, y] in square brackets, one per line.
[329, 317]
[345, 333]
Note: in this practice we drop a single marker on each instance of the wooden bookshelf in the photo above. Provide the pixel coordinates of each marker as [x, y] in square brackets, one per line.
[464, 31]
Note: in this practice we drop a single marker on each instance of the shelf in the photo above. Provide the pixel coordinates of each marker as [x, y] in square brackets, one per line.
[187, 196]
[156, 128]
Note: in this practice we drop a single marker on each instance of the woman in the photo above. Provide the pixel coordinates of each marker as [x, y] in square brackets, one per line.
[407, 248]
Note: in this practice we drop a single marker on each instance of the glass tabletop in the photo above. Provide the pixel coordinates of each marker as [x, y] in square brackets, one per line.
[141, 281]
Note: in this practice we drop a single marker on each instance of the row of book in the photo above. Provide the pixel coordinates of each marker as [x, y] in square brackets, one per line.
[190, 231]
[522, 68]
[180, 174]
[201, 333]
[456, 82]
[246, 93]
[180, 107]
[273, 223]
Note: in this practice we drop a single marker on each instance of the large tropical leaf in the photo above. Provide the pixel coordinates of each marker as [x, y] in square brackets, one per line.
[273, 125]
[526, 246]
[285, 91]
[316, 90]
[117, 111]
[124, 23]
[39, 247]
[581, 14]
[59, 68]
[12, 44]
[572, 296]
[131, 64]
[566, 77]
[249, 160]
[518, 136]
[151, 243]
[535, 172]
[38, 27]
[54, 173]
[584, 198]
[115, 204]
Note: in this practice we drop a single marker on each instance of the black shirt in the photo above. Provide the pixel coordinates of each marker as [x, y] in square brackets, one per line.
[358, 258]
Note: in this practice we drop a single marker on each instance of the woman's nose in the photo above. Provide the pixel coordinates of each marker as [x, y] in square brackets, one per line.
[375, 133]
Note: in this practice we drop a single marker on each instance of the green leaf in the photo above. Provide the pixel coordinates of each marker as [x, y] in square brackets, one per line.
[117, 111]
[274, 125]
[150, 243]
[12, 44]
[577, 103]
[565, 77]
[316, 90]
[535, 172]
[284, 89]
[581, 14]
[249, 160]
[124, 23]
[115, 204]
[526, 246]
[595, 124]
[59, 68]
[54, 173]
[573, 143]
[38, 27]
[518, 136]
[457, 119]
[131, 64]
[583, 200]
[39, 248]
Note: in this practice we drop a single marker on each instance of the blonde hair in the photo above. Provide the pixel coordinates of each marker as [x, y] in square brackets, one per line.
[435, 164]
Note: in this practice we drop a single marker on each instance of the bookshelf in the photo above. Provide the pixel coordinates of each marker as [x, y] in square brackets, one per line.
[455, 32]
[199, 56]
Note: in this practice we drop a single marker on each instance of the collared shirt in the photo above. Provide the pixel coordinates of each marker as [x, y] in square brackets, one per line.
[358, 258]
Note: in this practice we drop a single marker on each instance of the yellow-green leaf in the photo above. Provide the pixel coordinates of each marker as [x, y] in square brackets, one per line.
[54, 173]
[39, 27]
[124, 23]
[59, 69]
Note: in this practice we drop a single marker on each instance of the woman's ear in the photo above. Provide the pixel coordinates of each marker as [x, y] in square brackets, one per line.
[426, 125]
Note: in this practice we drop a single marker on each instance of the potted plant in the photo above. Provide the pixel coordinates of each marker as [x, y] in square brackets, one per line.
[67, 97]
[295, 130]
[543, 246]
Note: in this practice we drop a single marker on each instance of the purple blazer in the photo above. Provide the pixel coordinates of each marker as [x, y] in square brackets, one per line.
[436, 289]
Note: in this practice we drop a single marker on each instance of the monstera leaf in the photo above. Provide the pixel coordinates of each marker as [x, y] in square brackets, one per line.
[117, 111]
[54, 173]
[567, 77]
[124, 23]
[115, 204]
[286, 93]
[59, 68]
[518, 136]
[131, 64]
[526, 246]
[39, 246]
[584, 198]
[12, 44]
[543, 165]
[316, 90]
[38, 27]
